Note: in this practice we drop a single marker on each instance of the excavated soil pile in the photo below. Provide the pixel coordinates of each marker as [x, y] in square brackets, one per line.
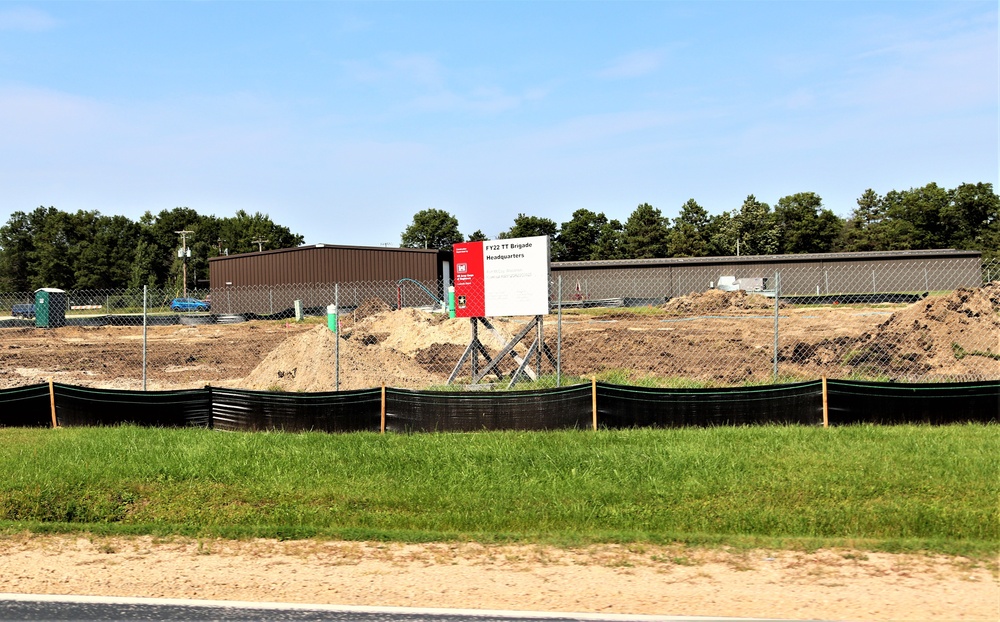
[715, 300]
[404, 349]
[955, 336]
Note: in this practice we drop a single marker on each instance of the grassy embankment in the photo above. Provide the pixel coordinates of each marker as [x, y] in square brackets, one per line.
[901, 488]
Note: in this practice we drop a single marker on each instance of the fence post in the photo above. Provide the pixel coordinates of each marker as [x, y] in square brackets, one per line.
[144, 322]
[336, 338]
[777, 289]
[559, 331]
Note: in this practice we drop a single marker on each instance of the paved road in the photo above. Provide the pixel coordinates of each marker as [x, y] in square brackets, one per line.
[90, 608]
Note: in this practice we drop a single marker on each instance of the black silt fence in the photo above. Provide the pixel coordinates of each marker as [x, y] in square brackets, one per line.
[77, 406]
[628, 407]
[879, 403]
[26, 407]
[344, 411]
[454, 411]
[848, 402]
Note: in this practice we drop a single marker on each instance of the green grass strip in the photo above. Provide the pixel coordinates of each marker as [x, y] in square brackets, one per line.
[883, 488]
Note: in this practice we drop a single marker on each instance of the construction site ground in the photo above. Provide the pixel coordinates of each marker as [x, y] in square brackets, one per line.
[714, 338]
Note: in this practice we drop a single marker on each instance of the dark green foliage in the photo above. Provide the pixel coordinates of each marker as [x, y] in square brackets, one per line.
[85, 250]
[804, 226]
[432, 228]
[689, 235]
[477, 236]
[645, 234]
[529, 226]
[967, 217]
[609, 243]
[579, 238]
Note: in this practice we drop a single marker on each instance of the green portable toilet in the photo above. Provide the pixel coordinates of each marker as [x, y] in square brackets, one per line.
[50, 308]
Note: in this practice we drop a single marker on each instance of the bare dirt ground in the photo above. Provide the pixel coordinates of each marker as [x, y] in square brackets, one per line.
[720, 338]
[826, 584]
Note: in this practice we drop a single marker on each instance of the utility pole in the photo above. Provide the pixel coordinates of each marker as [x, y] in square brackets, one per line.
[184, 254]
[260, 244]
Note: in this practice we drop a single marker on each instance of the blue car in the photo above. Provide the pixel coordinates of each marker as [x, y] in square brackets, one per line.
[188, 304]
[22, 310]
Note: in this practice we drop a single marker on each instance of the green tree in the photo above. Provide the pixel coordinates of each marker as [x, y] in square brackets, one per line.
[579, 237]
[720, 242]
[915, 217]
[645, 234]
[752, 230]
[57, 239]
[867, 229]
[477, 236]
[105, 260]
[431, 228]
[529, 226]
[249, 233]
[16, 246]
[143, 269]
[610, 242]
[971, 219]
[804, 225]
[688, 235]
[160, 233]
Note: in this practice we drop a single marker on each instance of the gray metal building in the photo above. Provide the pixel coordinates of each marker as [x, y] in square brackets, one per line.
[805, 274]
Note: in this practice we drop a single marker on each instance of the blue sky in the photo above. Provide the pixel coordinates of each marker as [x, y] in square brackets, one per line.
[343, 119]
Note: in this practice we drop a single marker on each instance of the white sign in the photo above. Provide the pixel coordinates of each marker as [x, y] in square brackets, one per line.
[502, 277]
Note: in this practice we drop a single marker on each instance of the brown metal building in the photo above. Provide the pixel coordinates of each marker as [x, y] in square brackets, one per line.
[319, 274]
[326, 263]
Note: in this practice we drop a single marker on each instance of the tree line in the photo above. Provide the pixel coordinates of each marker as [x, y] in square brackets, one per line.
[966, 218]
[87, 250]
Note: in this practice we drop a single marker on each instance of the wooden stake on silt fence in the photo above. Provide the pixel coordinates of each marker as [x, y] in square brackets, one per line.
[593, 399]
[52, 401]
[826, 408]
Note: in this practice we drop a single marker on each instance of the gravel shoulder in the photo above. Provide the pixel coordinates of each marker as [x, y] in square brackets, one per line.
[665, 580]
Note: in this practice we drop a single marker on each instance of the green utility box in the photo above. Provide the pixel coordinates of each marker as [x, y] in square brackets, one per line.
[50, 308]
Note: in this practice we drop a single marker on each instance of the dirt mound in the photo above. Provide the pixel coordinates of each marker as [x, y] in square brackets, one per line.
[370, 307]
[411, 330]
[953, 336]
[715, 300]
[407, 348]
[306, 362]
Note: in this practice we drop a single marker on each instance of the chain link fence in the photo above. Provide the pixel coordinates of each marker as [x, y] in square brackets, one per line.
[933, 322]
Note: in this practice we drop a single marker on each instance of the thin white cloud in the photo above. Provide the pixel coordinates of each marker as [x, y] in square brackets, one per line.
[634, 65]
[28, 19]
[32, 113]
[945, 69]
[420, 69]
[483, 100]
